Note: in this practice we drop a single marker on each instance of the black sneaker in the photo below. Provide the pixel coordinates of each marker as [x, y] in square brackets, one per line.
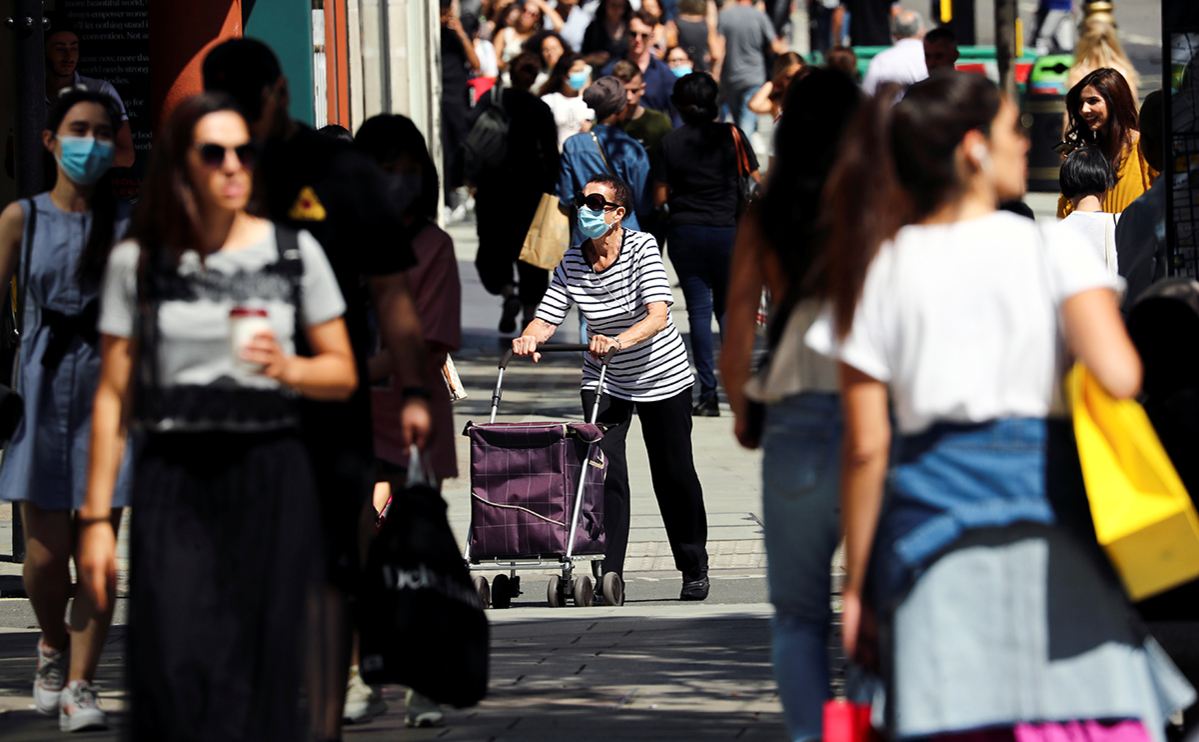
[512, 307]
[706, 407]
[695, 589]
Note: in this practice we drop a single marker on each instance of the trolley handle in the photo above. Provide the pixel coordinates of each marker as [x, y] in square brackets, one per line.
[559, 348]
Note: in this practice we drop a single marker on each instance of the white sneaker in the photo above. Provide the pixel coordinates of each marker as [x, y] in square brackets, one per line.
[362, 702]
[79, 708]
[49, 679]
[422, 711]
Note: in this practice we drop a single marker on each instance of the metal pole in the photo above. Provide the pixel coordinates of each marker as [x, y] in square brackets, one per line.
[1005, 46]
[29, 119]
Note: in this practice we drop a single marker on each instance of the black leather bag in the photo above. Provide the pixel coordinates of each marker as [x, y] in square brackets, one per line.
[421, 623]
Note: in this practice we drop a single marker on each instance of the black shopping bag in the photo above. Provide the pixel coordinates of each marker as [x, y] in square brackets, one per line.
[421, 622]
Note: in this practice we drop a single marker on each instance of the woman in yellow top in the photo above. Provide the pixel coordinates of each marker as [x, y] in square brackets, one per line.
[1103, 114]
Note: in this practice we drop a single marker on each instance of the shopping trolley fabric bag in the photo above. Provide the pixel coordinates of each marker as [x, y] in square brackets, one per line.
[1144, 518]
[523, 483]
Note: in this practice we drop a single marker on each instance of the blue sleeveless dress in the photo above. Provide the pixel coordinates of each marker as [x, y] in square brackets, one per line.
[47, 460]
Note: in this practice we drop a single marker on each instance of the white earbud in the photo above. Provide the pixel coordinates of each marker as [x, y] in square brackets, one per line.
[983, 155]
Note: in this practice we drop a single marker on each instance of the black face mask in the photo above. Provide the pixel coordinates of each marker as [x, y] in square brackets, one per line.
[403, 189]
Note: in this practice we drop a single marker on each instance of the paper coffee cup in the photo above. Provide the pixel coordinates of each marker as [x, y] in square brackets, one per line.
[244, 324]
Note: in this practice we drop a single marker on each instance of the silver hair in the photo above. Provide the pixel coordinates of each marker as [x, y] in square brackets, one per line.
[908, 24]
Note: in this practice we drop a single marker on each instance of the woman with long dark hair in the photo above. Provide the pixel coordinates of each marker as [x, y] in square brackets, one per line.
[200, 312]
[696, 173]
[799, 428]
[991, 613]
[58, 242]
[1103, 114]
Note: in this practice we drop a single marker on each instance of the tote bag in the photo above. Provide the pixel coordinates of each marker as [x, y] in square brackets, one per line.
[548, 236]
[420, 621]
[1144, 519]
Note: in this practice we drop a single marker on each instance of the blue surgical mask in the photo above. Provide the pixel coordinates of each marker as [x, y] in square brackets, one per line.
[577, 80]
[592, 224]
[85, 159]
[681, 71]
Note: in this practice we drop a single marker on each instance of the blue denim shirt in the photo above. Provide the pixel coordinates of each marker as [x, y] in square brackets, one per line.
[581, 162]
[953, 478]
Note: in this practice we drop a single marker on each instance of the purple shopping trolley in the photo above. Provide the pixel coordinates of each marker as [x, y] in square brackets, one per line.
[537, 501]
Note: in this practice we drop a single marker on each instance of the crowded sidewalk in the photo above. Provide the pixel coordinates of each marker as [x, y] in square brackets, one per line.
[649, 669]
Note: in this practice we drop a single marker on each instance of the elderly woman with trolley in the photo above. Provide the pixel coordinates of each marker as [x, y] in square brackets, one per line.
[617, 278]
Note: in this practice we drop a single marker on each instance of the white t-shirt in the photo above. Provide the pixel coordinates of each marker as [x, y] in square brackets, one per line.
[1098, 230]
[614, 300]
[961, 320]
[569, 114]
[902, 63]
[194, 345]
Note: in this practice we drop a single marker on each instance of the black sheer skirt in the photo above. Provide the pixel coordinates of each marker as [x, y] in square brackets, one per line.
[225, 563]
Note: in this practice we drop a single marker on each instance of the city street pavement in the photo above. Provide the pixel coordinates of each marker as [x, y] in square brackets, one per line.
[655, 668]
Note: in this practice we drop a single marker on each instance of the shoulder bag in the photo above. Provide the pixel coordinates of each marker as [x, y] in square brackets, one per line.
[747, 188]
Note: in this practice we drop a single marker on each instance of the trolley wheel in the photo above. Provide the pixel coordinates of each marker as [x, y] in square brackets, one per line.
[584, 593]
[612, 589]
[484, 592]
[553, 592]
[501, 591]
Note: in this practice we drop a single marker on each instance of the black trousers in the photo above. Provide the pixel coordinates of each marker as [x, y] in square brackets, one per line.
[666, 429]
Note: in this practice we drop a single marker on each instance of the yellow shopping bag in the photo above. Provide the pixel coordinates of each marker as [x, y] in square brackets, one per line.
[1144, 518]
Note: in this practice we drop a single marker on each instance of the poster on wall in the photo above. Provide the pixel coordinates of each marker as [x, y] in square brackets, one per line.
[114, 45]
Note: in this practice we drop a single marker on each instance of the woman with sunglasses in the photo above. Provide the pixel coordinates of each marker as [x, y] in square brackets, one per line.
[59, 242]
[617, 279]
[1103, 114]
[200, 313]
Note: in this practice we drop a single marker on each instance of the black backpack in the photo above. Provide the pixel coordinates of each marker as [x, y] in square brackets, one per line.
[486, 145]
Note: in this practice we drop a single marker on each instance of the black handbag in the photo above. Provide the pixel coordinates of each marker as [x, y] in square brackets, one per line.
[420, 621]
[12, 406]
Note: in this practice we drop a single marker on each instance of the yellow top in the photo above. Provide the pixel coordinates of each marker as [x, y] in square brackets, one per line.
[1134, 178]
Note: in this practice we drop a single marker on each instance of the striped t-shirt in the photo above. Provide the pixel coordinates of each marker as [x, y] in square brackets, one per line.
[612, 301]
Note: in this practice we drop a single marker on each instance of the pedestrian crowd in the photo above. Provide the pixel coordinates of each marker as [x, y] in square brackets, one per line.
[248, 358]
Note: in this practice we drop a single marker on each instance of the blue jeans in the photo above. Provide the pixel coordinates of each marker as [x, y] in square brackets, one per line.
[736, 106]
[702, 257]
[801, 447]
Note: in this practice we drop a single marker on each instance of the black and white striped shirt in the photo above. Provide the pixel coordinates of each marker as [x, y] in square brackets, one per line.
[612, 301]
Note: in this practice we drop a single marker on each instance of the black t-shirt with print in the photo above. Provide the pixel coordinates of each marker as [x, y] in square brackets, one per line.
[324, 186]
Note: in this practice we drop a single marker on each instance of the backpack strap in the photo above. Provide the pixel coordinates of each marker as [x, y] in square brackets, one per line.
[291, 264]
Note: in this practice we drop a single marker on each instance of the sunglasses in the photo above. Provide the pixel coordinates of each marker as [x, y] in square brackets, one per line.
[594, 201]
[213, 155]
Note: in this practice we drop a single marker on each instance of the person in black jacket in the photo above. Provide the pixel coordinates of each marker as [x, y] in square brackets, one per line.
[507, 196]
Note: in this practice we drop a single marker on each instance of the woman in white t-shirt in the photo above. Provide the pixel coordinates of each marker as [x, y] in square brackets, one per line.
[991, 613]
[563, 93]
[199, 316]
[1086, 177]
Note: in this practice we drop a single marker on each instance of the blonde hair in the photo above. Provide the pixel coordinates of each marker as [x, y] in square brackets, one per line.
[1098, 47]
